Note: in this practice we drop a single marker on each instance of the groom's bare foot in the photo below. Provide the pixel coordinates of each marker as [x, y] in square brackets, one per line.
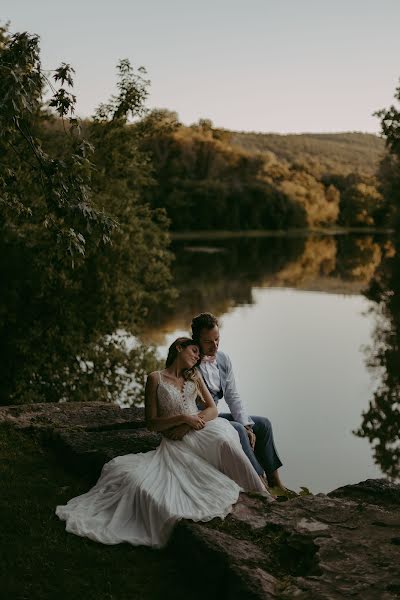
[274, 480]
[277, 488]
[264, 481]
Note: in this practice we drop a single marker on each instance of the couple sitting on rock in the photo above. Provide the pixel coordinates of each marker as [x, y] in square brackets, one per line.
[203, 462]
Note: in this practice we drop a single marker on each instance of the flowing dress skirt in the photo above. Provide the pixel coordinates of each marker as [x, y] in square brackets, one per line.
[138, 498]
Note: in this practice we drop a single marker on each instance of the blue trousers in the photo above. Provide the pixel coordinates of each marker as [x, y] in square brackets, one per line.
[264, 457]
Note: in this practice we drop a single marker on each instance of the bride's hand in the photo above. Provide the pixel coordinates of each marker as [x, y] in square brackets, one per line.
[195, 421]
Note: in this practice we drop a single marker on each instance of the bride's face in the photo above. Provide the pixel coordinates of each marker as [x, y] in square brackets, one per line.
[189, 356]
[209, 341]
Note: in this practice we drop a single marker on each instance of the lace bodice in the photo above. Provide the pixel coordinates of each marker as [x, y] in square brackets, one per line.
[172, 401]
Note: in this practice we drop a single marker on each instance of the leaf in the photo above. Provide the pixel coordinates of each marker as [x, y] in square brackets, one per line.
[305, 491]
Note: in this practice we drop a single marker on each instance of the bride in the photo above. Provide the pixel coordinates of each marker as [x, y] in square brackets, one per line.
[139, 497]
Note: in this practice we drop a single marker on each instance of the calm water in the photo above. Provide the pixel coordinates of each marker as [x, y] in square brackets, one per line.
[300, 322]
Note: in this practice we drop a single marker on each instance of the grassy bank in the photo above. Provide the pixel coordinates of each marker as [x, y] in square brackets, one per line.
[40, 561]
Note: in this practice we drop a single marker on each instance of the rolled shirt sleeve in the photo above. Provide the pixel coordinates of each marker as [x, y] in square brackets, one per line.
[232, 398]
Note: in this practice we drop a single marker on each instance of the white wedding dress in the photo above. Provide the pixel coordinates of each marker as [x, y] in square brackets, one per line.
[139, 497]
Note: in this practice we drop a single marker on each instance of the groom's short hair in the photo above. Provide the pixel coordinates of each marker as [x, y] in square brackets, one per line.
[204, 320]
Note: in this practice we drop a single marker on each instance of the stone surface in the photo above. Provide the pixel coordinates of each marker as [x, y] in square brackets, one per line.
[312, 547]
[88, 451]
[85, 435]
[231, 567]
[86, 415]
[379, 491]
[342, 545]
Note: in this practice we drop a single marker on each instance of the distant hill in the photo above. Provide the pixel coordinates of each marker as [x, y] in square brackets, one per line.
[329, 152]
[210, 178]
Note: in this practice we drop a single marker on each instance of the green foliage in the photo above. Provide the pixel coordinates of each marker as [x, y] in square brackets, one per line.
[389, 172]
[361, 204]
[390, 125]
[305, 491]
[133, 91]
[319, 201]
[37, 189]
[358, 203]
[205, 184]
[284, 494]
[58, 320]
[110, 371]
[381, 421]
[389, 186]
[210, 178]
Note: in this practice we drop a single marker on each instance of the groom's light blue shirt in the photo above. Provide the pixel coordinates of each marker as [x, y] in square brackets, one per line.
[228, 389]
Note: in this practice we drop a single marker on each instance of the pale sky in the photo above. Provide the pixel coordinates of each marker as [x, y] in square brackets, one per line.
[251, 65]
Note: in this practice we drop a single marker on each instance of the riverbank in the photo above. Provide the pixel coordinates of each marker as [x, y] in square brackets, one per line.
[341, 545]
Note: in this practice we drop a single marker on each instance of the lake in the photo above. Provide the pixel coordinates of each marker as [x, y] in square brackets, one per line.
[304, 329]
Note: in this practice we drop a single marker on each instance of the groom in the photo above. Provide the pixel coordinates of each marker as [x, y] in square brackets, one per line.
[216, 368]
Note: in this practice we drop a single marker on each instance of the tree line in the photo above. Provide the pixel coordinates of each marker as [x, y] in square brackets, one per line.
[208, 178]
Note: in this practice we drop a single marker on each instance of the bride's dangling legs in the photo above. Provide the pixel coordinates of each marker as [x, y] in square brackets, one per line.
[219, 444]
[236, 465]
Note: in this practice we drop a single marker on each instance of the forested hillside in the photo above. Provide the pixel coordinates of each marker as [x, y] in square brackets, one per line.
[210, 178]
[345, 152]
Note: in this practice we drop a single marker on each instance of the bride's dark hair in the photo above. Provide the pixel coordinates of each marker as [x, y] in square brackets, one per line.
[183, 342]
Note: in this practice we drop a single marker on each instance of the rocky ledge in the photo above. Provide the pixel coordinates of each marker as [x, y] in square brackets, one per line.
[345, 544]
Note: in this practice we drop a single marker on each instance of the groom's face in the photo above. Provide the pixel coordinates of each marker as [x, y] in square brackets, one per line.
[209, 341]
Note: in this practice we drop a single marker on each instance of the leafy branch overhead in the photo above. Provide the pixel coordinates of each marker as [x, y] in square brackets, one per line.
[68, 188]
[133, 92]
[390, 125]
[36, 186]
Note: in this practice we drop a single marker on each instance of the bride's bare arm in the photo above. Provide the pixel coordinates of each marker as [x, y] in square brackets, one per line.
[210, 411]
[156, 423]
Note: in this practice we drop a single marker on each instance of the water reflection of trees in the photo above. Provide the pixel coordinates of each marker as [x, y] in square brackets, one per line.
[218, 274]
[381, 422]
